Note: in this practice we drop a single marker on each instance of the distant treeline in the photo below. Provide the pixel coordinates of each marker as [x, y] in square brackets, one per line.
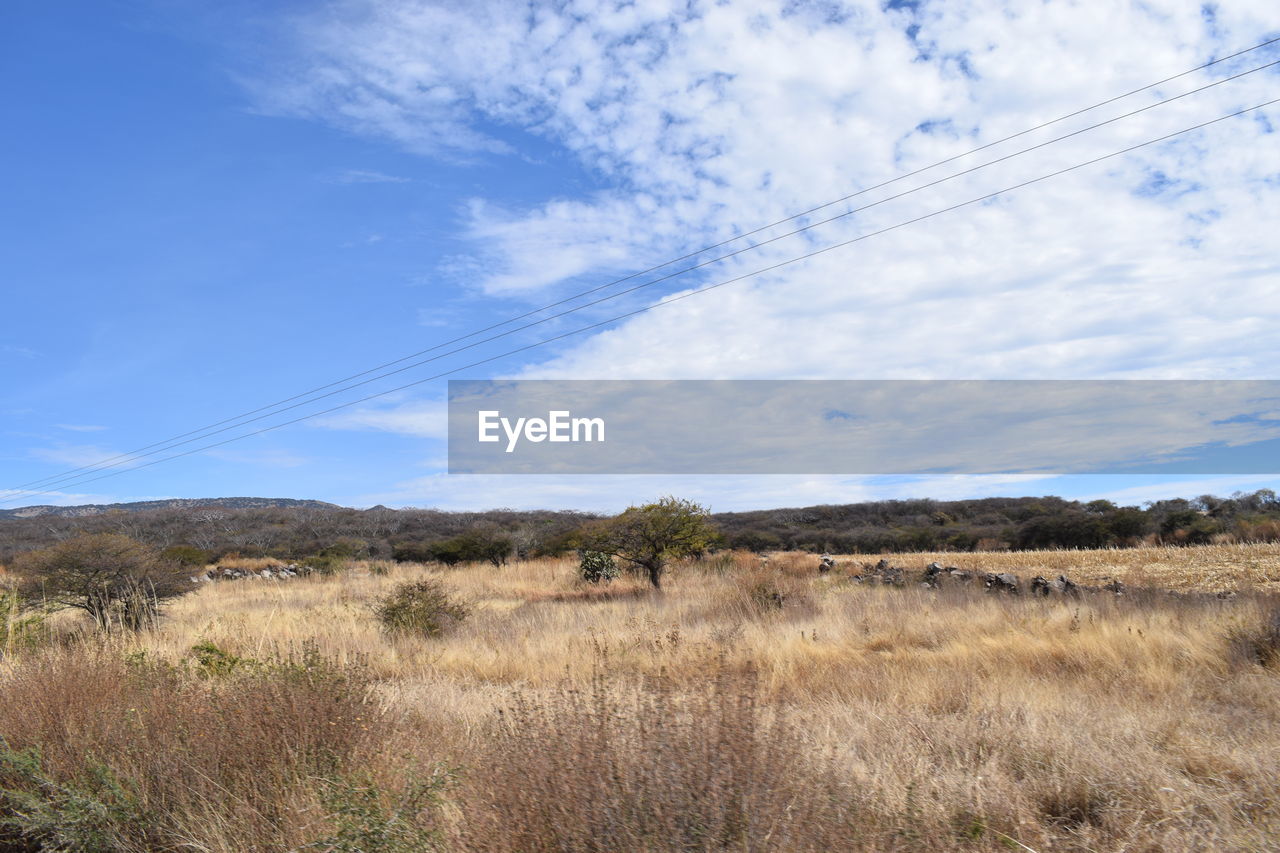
[990, 524]
[302, 531]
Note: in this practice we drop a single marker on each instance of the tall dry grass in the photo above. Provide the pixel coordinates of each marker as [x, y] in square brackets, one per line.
[750, 706]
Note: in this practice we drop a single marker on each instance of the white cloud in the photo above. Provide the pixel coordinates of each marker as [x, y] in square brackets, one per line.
[1163, 489]
[719, 118]
[720, 493]
[703, 120]
[276, 458]
[367, 176]
[81, 427]
[18, 351]
[17, 498]
[85, 455]
[422, 419]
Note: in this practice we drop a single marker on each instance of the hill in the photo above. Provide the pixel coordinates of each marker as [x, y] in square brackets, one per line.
[147, 506]
[290, 529]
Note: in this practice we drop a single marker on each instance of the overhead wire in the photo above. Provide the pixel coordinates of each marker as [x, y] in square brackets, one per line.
[689, 294]
[272, 409]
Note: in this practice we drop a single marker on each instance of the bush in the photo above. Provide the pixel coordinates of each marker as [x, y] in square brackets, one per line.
[412, 552]
[18, 630]
[327, 564]
[1260, 643]
[611, 768]
[474, 546]
[187, 555]
[366, 825]
[594, 567]
[422, 607]
[213, 662]
[103, 753]
[763, 591]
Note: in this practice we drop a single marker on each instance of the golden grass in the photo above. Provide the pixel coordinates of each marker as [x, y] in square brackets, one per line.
[953, 719]
[1205, 568]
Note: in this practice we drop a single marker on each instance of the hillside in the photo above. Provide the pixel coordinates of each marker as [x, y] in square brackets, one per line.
[286, 528]
[83, 510]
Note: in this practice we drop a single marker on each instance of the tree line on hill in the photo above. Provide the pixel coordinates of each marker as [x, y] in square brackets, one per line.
[207, 532]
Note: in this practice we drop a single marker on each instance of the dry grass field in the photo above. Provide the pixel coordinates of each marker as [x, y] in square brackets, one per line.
[1205, 568]
[746, 707]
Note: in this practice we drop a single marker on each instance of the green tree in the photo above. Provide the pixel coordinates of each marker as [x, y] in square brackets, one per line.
[647, 537]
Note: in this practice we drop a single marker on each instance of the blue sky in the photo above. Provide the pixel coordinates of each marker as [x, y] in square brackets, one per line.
[209, 207]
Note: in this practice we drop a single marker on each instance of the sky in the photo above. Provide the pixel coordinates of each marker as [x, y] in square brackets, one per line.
[211, 207]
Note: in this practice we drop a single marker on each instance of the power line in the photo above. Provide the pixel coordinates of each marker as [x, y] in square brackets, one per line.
[239, 420]
[279, 407]
[689, 294]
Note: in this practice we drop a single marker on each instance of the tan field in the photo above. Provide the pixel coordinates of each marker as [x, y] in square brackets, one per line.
[747, 707]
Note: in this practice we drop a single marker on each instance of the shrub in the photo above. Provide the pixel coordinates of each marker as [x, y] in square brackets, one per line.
[422, 607]
[18, 630]
[1260, 643]
[187, 555]
[612, 768]
[482, 544]
[411, 552]
[765, 590]
[327, 564]
[212, 661]
[594, 567]
[366, 825]
[101, 753]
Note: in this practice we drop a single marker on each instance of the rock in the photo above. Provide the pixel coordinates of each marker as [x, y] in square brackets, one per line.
[1001, 582]
[892, 576]
[936, 575]
[828, 563]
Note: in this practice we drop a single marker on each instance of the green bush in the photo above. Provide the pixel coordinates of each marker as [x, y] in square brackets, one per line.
[96, 811]
[327, 564]
[187, 555]
[212, 661]
[18, 630]
[367, 823]
[594, 567]
[422, 607]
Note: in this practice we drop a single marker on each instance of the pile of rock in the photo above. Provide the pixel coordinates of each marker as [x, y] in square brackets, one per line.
[1006, 582]
[225, 573]
[882, 573]
[937, 575]
[1061, 585]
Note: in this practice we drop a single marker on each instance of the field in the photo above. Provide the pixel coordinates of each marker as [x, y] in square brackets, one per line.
[749, 706]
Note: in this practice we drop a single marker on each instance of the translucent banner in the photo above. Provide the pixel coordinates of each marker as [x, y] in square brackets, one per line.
[864, 426]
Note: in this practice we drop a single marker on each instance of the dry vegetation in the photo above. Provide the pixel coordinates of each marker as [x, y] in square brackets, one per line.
[1206, 568]
[747, 707]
